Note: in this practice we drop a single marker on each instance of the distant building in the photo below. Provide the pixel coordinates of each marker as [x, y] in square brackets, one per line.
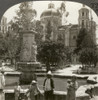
[53, 16]
[68, 33]
[3, 25]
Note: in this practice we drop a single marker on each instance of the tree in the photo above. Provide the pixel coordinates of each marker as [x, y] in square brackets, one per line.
[2, 48]
[86, 48]
[80, 38]
[11, 45]
[87, 42]
[88, 53]
[51, 52]
[88, 56]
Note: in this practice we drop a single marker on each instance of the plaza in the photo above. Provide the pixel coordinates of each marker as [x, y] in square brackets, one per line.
[65, 48]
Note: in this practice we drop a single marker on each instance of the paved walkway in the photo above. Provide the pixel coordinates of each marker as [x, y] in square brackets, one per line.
[69, 71]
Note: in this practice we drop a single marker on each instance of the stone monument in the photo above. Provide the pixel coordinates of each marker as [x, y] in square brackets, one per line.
[28, 64]
[28, 52]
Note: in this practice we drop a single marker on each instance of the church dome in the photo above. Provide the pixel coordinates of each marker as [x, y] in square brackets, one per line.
[51, 11]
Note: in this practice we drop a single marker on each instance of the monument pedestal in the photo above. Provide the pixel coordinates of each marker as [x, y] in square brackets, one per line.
[28, 66]
[27, 70]
[28, 63]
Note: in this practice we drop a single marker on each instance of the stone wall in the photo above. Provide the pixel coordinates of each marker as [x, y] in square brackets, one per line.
[58, 95]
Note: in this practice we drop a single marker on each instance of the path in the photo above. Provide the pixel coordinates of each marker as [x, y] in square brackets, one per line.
[69, 71]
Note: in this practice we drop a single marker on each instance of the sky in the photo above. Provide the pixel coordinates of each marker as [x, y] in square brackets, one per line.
[40, 6]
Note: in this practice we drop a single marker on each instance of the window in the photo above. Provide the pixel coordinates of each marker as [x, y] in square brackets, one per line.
[74, 37]
[82, 13]
[86, 14]
[82, 22]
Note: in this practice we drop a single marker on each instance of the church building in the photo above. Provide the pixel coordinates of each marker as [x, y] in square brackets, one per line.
[67, 33]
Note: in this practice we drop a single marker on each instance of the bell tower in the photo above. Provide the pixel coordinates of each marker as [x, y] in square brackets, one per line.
[83, 19]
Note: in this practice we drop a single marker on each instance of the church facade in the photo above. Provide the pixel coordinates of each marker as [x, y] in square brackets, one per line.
[67, 33]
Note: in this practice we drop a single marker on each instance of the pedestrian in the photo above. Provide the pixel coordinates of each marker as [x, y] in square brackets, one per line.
[79, 70]
[48, 86]
[74, 87]
[2, 84]
[3, 66]
[69, 85]
[17, 91]
[74, 81]
[3, 63]
[71, 89]
[33, 90]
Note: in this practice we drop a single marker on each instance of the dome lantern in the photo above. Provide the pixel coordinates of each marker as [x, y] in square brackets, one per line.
[51, 5]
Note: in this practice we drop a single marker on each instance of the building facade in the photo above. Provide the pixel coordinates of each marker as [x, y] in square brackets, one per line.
[3, 25]
[68, 33]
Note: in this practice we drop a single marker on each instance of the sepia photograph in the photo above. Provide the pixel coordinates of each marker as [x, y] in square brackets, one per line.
[49, 51]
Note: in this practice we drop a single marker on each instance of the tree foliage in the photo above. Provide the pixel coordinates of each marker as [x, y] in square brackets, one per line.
[2, 47]
[9, 45]
[88, 51]
[80, 38]
[86, 48]
[50, 53]
[87, 42]
[89, 56]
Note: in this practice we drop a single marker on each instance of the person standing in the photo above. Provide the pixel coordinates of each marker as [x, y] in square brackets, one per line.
[48, 86]
[2, 84]
[71, 89]
[33, 90]
[74, 87]
[69, 86]
[17, 91]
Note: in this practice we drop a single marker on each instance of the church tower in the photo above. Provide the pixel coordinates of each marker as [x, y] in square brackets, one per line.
[85, 21]
[83, 17]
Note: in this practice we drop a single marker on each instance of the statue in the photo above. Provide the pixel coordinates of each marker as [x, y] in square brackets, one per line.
[64, 19]
[26, 15]
[64, 14]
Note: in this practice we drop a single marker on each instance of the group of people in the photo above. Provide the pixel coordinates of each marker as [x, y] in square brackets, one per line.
[34, 90]
[48, 87]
